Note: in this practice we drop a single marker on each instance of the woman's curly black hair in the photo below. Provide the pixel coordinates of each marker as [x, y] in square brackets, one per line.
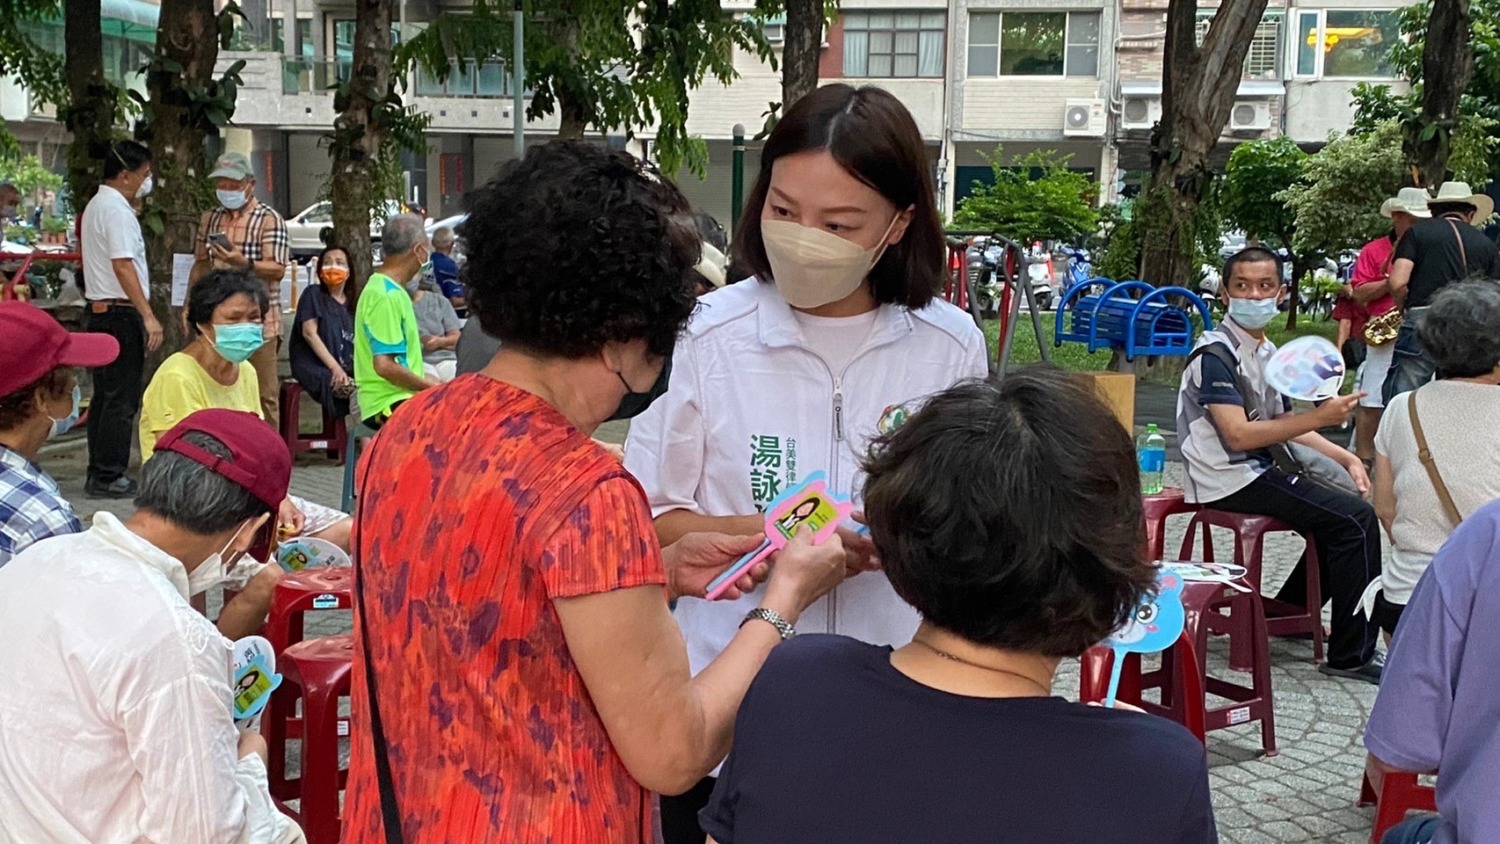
[1009, 513]
[574, 246]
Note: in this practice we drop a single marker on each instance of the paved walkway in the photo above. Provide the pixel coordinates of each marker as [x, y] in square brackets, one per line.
[1306, 794]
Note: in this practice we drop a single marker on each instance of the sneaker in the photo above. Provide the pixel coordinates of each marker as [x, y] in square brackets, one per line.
[121, 487]
[1370, 672]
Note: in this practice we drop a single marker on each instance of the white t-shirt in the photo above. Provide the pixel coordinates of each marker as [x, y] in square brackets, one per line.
[1462, 422]
[110, 231]
[835, 339]
[116, 703]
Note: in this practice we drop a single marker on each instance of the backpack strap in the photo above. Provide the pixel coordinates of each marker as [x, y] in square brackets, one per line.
[1425, 455]
[1281, 454]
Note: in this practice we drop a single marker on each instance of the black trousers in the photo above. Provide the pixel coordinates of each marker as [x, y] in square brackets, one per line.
[1347, 535]
[117, 392]
[679, 815]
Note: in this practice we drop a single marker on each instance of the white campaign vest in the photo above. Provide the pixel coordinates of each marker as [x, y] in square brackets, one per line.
[751, 410]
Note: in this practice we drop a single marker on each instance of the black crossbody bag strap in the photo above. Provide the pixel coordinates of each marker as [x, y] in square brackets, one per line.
[389, 813]
[1281, 455]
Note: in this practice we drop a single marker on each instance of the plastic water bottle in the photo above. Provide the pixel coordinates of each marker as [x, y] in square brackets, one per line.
[1151, 453]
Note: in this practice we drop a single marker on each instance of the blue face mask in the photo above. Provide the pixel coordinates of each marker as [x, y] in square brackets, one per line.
[1253, 314]
[65, 424]
[237, 341]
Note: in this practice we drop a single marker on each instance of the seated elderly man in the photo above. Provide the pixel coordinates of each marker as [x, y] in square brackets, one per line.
[118, 720]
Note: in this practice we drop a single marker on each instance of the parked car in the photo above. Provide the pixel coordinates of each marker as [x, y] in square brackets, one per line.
[305, 231]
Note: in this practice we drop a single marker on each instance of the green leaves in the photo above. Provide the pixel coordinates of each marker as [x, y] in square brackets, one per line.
[1034, 197]
[1248, 194]
[1336, 204]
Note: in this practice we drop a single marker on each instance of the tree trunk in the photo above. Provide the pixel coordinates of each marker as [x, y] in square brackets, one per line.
[1447, 65]
[90, 112]
[1302, 266]
[358, 136]
[572, 112]
[186, 36]
[801, 50]
[1198, 90]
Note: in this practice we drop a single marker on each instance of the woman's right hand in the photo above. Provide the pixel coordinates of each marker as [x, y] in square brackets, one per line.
[340, 377]
[802, 572]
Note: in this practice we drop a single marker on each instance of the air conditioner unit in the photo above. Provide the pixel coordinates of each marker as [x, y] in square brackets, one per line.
[1140, 112]
[1084, 119]
[1251, 116]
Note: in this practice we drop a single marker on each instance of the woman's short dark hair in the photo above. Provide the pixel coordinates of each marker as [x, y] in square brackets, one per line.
[193, 496]
[218, 287]
[123, 156]
[1009, 513]
[575, 246]
[1461, 329]
[19, 406]
[872, 136]
[351, 289]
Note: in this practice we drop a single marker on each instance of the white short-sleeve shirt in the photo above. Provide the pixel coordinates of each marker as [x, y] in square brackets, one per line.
[111, 231]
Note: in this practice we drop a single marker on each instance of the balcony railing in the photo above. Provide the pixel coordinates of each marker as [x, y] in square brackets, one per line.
[469, 79]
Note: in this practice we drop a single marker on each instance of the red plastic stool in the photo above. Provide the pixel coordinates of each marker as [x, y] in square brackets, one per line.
[331, 438]
[316, 672]
[1156, 508]
[298, 593]
[1393, 793]
[1184, 701]
[1282, 619]
[1093, 683]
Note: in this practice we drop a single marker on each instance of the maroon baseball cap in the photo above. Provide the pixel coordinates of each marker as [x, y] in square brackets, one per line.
[258, 458]
[32, 344]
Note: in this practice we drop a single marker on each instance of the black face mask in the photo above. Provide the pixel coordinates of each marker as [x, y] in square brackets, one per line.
[634, 404]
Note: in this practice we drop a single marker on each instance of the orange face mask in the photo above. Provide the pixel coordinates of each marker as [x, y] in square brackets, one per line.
[334, 276]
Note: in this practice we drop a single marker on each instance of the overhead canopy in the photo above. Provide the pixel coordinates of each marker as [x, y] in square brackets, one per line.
[132, 19]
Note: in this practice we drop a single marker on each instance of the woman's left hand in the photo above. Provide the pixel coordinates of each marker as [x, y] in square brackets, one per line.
[1356, 469]
[289, 520]
[859, 550]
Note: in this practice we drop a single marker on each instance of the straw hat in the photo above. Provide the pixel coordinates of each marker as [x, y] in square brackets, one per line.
[1411, 201]
[1460, 192]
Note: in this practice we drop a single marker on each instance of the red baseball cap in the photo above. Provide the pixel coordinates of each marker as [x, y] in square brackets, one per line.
[258, 458]
[32, 344]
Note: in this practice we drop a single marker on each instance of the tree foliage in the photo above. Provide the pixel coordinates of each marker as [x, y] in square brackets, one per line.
[1248, 194]
[606, 65]
[1471, 143]
[27, 174]
[1336, 204]
[1034, 197]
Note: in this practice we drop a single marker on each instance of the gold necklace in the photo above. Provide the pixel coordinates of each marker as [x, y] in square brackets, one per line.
[960, 660]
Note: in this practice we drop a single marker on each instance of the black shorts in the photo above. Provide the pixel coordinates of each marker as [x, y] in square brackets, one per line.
[1387, 614]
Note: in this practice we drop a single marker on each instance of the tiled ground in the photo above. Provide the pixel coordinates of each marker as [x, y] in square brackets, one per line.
[1305, 794]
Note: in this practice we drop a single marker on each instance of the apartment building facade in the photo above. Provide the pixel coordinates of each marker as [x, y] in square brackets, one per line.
[1078, 77]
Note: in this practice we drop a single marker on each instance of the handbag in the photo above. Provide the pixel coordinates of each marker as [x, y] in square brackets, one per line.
[1383, 329]
[1425, 455]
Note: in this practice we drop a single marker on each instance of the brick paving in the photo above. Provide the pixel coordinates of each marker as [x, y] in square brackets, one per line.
[1305, 794]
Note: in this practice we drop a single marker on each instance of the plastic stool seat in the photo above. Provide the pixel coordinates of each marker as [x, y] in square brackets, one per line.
[331, 438]
[316, 672]
[1093, 683]
[298, 593]
[1393, 793]
[1155, 508]
[1282, 619]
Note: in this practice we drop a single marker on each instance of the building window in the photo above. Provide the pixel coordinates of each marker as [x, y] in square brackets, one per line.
[1263, 61]
[773, 27]
[1034, 44]
[1345, 43]
[893, 44]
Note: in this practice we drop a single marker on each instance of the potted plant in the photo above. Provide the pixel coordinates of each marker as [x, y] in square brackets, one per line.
[55, 230]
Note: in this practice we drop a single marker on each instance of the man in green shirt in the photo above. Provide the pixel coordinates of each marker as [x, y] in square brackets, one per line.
[387, 346]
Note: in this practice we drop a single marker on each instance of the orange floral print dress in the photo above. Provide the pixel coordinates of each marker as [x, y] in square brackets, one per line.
[480, 505]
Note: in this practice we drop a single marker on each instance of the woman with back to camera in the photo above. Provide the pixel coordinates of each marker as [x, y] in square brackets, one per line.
[793, 373]
[1017, 554]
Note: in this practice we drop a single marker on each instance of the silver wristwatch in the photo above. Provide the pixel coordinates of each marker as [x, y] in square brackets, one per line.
[774, 619]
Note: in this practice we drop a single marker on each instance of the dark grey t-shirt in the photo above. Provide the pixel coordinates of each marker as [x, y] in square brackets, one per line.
[832, 743]
[475, 348]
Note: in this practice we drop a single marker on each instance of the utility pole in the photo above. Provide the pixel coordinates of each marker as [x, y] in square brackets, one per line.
[518, 82]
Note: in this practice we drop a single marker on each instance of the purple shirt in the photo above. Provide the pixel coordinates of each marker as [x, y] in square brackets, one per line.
[1439, 702]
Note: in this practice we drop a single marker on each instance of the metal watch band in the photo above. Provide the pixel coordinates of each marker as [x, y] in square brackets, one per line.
[774, 619]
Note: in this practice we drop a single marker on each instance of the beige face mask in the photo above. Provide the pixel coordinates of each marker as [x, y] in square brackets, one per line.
[812, 267]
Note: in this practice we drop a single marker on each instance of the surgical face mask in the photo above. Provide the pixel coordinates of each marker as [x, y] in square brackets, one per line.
[211, 571]
[413, 286]
[237, 341]
[334, 276]
[426, 264]
[812, 267]
[146, 186]
[65, 424]
[233, 200]
[633, 404]
[1253, 314]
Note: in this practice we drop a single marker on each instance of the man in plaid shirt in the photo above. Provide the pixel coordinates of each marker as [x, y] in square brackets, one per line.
[38, 400]
[258, 242]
